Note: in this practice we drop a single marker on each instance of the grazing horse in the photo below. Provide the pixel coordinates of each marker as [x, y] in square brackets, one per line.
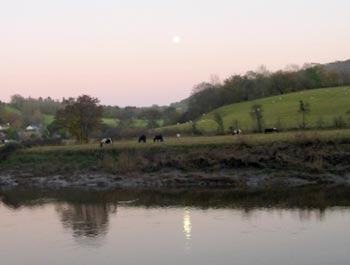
[237, 132]
[271, 130]
[142, 138]
[106, 141]
[158, 138]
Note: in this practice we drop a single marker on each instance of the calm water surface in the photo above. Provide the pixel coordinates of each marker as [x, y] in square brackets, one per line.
[66, 232]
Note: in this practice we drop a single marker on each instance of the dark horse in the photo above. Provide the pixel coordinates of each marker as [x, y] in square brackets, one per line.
[142, 138]
[271, 130]
[158, 138]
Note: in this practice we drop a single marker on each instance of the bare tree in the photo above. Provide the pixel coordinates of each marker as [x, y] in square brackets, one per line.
[218, 119]
[304, 109]
[257, 114]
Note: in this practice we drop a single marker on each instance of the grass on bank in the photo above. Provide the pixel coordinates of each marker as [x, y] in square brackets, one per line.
[306, 152]
[249, 139]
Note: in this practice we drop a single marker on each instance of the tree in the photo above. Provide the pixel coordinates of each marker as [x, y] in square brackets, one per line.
[2, 112]
[257, 115]
[152, 115]
[218, 119]
[304, 109]
[204, 98]
[80, 117]
[170, 115]
[194, 128]
[234, 125]
[17, 101]
[12, 134]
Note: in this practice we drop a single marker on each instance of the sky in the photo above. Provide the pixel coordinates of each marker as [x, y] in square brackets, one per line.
[141, 53]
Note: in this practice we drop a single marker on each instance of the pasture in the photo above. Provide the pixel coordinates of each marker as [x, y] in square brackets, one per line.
[138, 123]
[189, 141]
[12, 109]
[280, 111]
[307, 154]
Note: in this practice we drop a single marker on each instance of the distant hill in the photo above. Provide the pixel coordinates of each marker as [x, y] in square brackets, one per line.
[108, 121]
[327, 107]
[262, 83]
[340, 67]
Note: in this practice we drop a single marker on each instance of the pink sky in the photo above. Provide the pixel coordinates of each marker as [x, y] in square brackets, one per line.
[123, 53]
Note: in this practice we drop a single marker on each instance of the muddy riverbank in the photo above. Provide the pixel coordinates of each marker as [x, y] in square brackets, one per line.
[236, 166]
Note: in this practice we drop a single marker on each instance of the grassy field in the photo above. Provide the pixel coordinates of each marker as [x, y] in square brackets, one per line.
[48, 119]
[249, 139]
[135, 123]
[282, 111]
[111, 122]
[12, 109]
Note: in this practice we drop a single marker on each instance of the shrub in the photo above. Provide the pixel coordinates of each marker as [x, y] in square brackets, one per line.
[7, 150]
[338, 122]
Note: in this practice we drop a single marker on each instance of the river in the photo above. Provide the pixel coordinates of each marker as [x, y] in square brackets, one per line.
[102, 228]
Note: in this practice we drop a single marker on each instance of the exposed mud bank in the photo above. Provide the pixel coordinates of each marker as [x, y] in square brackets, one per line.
[241, 180]
[248, 180]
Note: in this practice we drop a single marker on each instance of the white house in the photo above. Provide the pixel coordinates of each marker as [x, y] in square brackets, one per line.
[4, 127]
[32, 128]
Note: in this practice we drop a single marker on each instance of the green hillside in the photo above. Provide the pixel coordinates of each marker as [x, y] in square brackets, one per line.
[50, 118]
[111, 122]
[135, 123]
[12, 109]
[281, 111]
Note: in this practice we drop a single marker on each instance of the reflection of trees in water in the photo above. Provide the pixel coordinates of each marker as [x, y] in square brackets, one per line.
[301, 214]
[307, 214]
[86, 220]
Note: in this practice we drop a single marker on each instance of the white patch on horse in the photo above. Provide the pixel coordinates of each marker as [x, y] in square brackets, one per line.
[106, 141]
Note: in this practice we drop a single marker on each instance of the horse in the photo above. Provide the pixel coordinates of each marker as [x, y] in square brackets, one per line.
[142, 138]
[158, 138]
[271, 130]
[106, 141]
[237, 132]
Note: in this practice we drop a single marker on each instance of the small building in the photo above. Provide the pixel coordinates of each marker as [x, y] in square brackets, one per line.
[30, 132]
[32, 128]
[4, 128]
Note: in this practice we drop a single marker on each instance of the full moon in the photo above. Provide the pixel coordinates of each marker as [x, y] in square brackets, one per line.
[176, 39]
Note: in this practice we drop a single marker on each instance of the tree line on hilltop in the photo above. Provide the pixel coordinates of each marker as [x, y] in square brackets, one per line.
[21, 112]
[208, 96]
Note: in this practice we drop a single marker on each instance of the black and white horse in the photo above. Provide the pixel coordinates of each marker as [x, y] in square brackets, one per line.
[106, 141]
[142, 138]
[237, 132]
[158, 138]
[271, 130]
